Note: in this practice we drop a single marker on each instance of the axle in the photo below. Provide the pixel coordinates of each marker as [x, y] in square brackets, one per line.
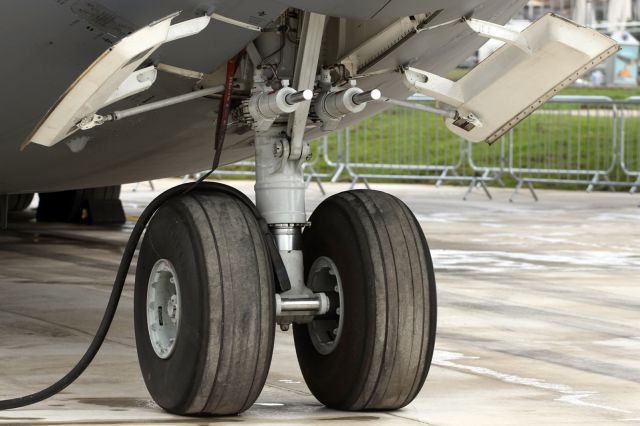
[302, 306]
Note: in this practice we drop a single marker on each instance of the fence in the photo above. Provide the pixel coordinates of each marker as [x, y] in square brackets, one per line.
[572, 141]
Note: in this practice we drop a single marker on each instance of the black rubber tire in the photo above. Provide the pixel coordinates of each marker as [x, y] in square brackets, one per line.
[73, 206]
[226, 330]
[102, 193]
[19, 202]
[389, 303]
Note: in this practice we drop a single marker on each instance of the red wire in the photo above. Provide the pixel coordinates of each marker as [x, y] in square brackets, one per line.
[225, 105]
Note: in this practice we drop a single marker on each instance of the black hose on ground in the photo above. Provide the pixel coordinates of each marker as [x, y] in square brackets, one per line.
[109, 312]
[281, 276]
[123, 270]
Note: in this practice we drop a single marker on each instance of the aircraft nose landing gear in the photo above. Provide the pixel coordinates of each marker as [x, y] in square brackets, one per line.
[362, 297]
[360, 290]
[364, 253]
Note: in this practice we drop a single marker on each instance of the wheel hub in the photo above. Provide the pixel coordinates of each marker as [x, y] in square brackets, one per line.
[163, 308]
[325, 331]
[172, 308]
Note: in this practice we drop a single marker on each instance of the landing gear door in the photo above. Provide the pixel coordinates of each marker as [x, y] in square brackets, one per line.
[517, 78]
[99, 84]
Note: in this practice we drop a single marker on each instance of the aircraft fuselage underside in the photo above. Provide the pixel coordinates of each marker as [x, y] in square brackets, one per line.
[62, 38]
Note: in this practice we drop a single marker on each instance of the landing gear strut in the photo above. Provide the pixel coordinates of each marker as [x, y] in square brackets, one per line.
[364, 259]
[360, 292]
[362, 296]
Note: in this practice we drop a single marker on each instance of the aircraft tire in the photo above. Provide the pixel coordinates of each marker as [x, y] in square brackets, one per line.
[90, 206]
[19, 202]
[385, 334]
[212, 247]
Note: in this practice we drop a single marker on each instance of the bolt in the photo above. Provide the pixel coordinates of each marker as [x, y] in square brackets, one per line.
[335, 331]
[284, 327]
[294, 98]
[364, 97]
[336, 288]
[278, 149]
[338, 311]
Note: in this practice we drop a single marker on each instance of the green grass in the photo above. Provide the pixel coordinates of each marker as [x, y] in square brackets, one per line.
[616, 93]
[570, 138]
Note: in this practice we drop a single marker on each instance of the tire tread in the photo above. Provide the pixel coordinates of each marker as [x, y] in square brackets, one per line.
[399, 289]
[237, 308]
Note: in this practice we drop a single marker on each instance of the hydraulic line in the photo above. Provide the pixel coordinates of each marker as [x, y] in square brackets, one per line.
[223, 115]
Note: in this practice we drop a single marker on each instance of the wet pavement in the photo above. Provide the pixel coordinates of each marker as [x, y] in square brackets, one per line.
[539, 317]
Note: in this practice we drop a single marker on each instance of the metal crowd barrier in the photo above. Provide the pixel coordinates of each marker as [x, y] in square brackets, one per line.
[572, 141]
[409, 145]
[629, 131]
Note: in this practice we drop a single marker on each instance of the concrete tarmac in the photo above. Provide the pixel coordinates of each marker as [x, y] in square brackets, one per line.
[538, 322]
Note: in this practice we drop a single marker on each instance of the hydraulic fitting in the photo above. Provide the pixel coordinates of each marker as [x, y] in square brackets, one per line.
[264, 108]
[330, 107]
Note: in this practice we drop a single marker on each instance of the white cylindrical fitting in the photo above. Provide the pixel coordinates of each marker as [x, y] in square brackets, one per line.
[316, 304]
[301, 96]
[337, 104]
[364, 97]
[271, 105]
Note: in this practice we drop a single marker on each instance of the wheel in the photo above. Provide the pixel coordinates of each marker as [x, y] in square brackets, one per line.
[374, 350]
[102, 193]
[92, 206]
[204, 306]
[19, 202]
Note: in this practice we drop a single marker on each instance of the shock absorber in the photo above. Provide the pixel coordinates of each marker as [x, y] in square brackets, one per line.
[266, 104]
[332, 105]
